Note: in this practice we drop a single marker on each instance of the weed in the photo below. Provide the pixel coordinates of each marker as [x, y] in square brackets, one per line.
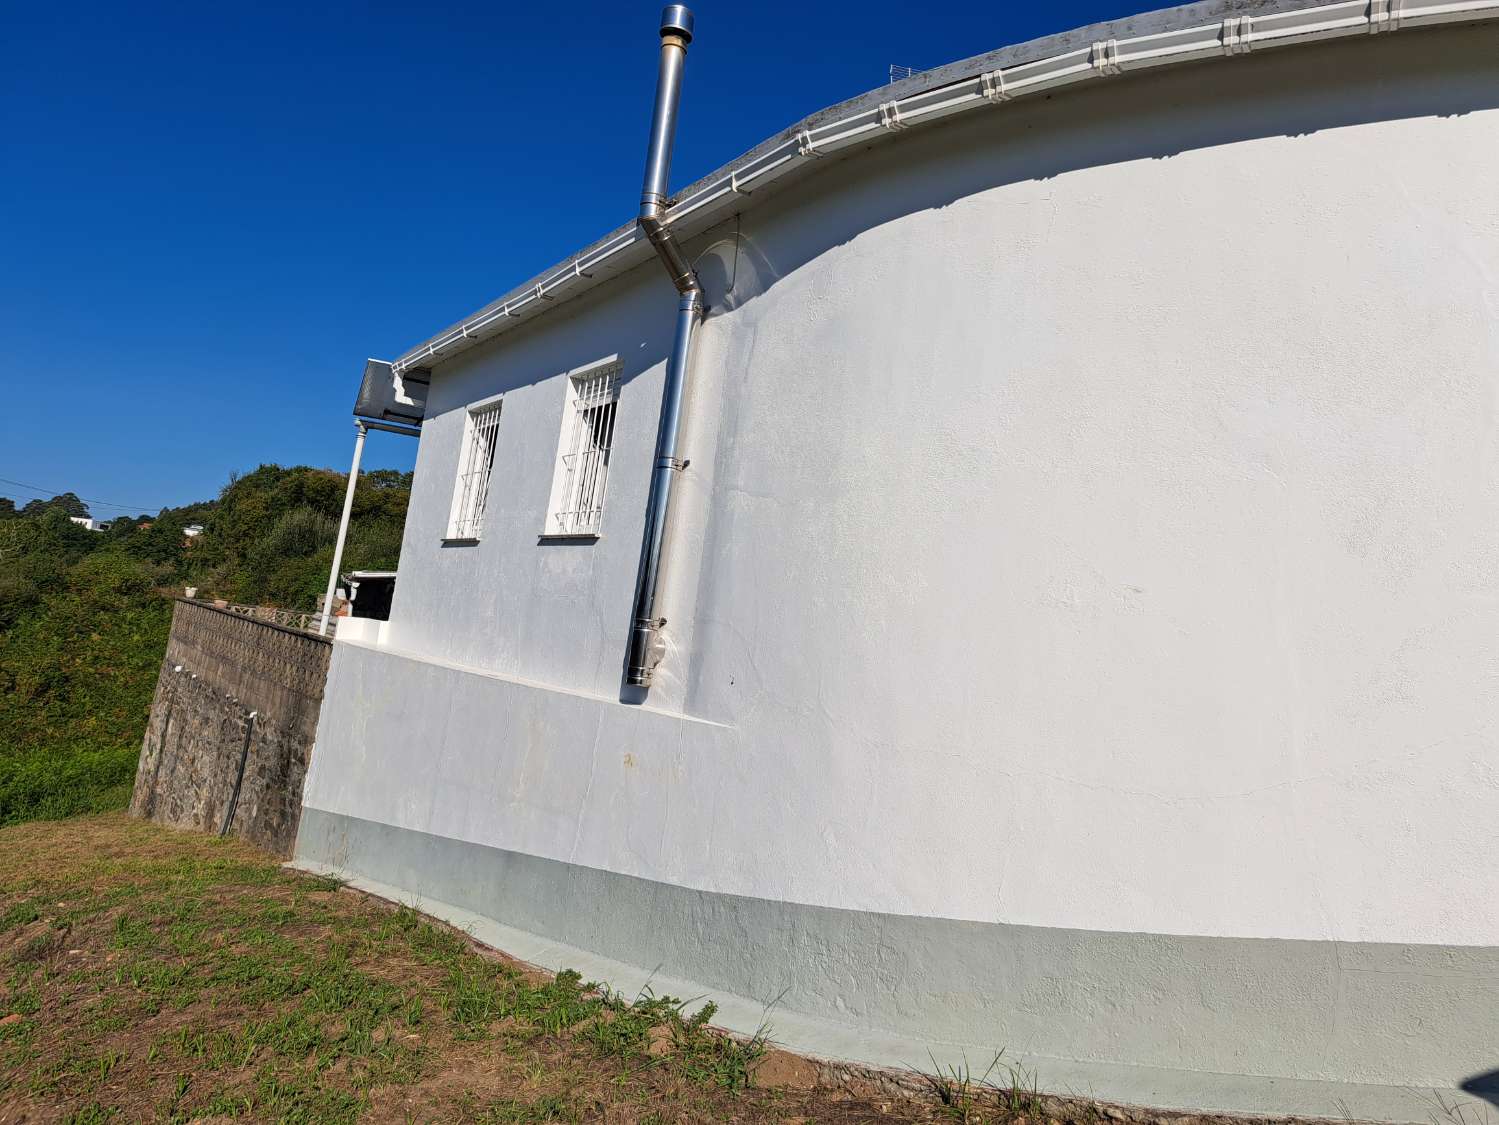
[1447, 1111]
[91, 1114]
[549, 1108]
[131, 932]
[300, 1006]
[19, 914]
[957, 1090]
[722, 1059]
[25, 1001]
[39, 947]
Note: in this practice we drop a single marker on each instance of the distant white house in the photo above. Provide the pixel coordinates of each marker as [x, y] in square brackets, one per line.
[193, 530]
[1078, 614]
[88, 522]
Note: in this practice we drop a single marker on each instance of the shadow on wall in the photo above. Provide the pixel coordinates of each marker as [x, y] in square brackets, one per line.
[631, 313]
[1485, 1086]
[1158, 116]
[1289, 93]
[1439, 73]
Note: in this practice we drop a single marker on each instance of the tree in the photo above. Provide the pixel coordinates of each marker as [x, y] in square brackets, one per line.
[67, 502]
[386, 478]
[83, 621]
[269, 539]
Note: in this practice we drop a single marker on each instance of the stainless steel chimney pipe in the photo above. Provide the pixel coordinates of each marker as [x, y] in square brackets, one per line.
[645, 640]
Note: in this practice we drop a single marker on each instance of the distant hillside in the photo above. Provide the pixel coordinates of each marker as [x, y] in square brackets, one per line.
[84, 614]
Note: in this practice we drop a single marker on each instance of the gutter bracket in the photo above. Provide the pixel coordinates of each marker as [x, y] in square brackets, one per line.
[1105, 58]
[890, 116]
[1384, 15]
[992, 86]
[1236, 35]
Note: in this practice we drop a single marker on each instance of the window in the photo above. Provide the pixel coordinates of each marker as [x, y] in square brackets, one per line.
[577, 506]
[475, 460]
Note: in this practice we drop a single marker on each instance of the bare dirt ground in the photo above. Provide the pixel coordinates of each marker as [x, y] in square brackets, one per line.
[152, 975]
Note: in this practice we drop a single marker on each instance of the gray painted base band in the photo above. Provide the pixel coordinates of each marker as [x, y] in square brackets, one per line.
[1372, 1031]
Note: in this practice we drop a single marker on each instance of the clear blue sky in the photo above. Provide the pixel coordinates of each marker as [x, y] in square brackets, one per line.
[210, 214]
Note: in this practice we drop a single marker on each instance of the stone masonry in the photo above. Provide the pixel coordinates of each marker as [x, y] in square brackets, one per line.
[232, 727]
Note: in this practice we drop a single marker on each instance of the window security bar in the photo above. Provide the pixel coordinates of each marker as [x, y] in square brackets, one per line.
[474, 473]
[584, 453]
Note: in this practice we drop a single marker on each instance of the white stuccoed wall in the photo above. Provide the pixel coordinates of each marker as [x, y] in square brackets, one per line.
[1091, 523]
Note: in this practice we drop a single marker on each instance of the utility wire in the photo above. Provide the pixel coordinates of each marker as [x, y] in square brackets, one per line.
[51, 492]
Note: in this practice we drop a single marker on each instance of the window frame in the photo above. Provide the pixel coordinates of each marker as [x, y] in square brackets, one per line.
[580, 476]
[466, 514]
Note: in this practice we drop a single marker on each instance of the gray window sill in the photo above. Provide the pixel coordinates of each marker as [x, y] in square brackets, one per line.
[461, 542]
[584, 537]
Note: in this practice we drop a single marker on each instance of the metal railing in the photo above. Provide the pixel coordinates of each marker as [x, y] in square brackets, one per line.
[286, 618]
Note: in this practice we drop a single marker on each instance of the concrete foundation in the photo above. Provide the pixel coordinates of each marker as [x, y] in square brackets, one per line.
[1150, 1019]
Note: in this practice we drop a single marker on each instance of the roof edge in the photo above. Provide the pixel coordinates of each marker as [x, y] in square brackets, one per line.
[1187, 33]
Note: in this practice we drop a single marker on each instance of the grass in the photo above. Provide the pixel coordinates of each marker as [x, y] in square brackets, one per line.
[1002, 1092]
[152, 975]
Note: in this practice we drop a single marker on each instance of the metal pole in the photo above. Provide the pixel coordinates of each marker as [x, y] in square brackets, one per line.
[343, 528]
[645, 630]
[644, 650]
[239, 778]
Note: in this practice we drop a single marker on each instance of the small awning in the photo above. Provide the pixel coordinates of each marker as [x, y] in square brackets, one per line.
[388, 397]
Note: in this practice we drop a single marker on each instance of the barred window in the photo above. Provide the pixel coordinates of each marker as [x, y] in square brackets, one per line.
[582, 470]
[475, 461]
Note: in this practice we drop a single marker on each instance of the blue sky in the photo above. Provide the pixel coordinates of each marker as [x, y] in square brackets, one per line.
[211, 214]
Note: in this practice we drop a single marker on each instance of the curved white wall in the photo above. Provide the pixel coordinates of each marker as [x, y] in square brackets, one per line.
[1137, 522]
[1090, 526]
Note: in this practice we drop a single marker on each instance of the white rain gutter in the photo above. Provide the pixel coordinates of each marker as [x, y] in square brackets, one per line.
[723, 193]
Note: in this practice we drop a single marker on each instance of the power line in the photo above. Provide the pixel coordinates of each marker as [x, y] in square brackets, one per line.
[51, 492]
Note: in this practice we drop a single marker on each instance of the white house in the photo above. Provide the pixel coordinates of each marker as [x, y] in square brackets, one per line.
[1079, 573]
[87, 522]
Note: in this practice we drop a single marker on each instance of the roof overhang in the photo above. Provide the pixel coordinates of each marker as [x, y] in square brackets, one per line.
[1189, 33]
[387, 395]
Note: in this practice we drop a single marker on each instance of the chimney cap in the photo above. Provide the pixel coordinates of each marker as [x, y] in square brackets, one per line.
[676, 19]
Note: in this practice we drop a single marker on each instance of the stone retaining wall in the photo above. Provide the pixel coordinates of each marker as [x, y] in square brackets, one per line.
[232, 727]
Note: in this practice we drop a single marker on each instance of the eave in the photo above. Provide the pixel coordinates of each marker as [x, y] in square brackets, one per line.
[1190, 33]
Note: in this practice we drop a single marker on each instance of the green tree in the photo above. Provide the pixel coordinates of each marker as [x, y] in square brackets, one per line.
[66, 502]
[269, 539]
[84, 615]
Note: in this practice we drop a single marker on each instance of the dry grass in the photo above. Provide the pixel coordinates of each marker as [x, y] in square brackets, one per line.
[151, 975]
